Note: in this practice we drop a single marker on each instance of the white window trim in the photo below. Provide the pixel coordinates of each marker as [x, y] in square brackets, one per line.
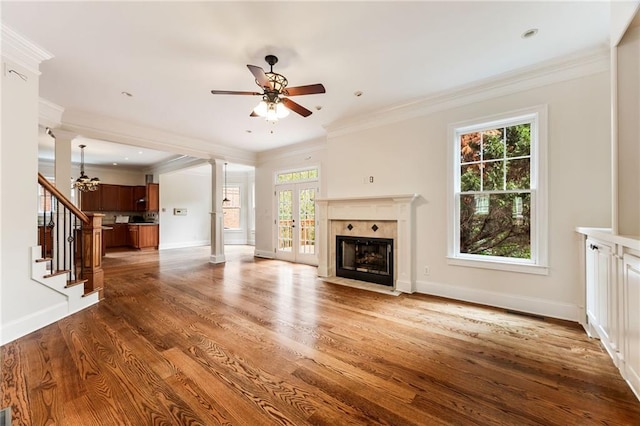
[538, 264]
[299, 169]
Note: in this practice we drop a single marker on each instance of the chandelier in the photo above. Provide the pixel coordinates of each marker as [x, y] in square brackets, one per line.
[83, 183]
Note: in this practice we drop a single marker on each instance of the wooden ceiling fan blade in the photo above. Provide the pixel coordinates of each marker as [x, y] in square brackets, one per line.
[234, 92]
[295, 107]
[260, 76]
[310, 89]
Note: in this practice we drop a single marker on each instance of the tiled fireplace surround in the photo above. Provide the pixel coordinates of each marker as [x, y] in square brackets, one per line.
[394, 218]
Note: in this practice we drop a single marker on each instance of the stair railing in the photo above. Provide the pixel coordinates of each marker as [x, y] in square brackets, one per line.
[71, 240]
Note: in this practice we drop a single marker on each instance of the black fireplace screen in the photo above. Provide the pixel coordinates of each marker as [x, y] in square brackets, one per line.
[365, 259]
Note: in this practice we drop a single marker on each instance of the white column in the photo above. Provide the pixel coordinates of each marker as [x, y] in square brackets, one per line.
[217, 216]
[63, 174]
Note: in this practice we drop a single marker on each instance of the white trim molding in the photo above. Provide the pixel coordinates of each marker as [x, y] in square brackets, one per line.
[22, 51]
[538, 75]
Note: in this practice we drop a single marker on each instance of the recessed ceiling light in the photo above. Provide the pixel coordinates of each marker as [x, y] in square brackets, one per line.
[139, 152]
[248, 131]
[318, 107]
[127, 94]
[126, 158]
[115, 164]
[530, 33]
[358, 93]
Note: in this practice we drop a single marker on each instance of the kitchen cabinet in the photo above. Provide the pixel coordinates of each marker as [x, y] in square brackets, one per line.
[45, 240]
[153, 197]
[118, 236]
[90, 201]
[139, 198]
[122, 198]
[109, 197]
[125, 199]
[144, 236]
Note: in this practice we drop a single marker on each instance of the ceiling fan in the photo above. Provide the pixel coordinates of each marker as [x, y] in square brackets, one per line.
[275, 103]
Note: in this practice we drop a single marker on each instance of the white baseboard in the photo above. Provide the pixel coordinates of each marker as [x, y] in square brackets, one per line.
[543, 307]
[32, 322]
[184, 244]
[264, 253]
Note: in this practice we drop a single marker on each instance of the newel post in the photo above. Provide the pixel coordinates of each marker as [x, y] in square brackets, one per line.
[92, 253]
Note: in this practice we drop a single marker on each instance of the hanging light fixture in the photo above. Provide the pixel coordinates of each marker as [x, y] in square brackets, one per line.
[225, 200]
[271, 108]
[83, 183]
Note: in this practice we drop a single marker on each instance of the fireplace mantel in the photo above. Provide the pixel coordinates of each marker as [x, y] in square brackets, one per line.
[398, 208]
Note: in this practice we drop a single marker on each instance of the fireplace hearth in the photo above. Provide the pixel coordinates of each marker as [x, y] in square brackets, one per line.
[365, 259]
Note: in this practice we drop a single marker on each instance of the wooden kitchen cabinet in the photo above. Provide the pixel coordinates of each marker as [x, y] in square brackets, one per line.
[91, 201]
[144, 236]
[153, 197]
[118, 236]
[109, 197]
[139, 198]
[122, 198]
[125, 199]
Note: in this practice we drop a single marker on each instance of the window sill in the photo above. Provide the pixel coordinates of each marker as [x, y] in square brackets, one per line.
[499, 266]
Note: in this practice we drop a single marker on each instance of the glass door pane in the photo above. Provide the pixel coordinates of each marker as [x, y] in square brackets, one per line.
[307, 221]
[285, 220]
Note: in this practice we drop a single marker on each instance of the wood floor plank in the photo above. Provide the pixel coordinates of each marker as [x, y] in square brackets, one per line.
[180, 341]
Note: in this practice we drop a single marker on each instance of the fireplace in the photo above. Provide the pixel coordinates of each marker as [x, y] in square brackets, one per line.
[384, 216]
[365, 259]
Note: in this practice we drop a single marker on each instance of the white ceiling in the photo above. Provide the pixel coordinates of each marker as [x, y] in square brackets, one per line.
[169, 55]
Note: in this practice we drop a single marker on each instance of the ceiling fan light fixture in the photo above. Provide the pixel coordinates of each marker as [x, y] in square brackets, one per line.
[281, 110]
[261, 109]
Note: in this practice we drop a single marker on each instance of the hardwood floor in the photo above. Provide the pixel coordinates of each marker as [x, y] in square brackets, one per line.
[179, 341]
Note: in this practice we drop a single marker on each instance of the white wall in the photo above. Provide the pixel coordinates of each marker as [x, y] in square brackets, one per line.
[309, 154]
[26, 305]
[192, 191]
[628, 81]
[411, 157]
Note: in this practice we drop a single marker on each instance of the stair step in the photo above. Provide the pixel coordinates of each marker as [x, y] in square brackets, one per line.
[56, 273]
[95, 290]
[44, 259]
[72, 283]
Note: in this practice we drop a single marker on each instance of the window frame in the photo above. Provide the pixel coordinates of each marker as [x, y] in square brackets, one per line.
[233, 207]
[538, 264]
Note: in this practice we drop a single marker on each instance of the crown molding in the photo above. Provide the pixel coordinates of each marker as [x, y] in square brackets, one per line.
[114, 130]
[295, 150]
[22, 51]
[539, 75]
[49, 114]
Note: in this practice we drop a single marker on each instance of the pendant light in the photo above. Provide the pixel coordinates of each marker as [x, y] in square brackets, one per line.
[83, 183]
[226, 200]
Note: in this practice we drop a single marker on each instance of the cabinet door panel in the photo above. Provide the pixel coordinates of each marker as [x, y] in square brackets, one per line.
[91, 201]
[632, 320]
[126, 199]
[110, 197]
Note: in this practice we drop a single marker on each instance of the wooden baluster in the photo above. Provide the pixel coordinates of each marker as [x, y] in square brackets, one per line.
[92, 253]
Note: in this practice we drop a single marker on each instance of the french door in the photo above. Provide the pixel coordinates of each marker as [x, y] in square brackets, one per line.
[296, 222]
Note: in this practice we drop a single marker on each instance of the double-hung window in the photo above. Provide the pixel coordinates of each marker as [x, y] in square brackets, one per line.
[498, 192]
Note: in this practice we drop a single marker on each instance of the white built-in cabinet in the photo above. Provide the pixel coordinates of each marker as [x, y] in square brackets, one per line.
[601, 293]
[612, 298]
[631, 320]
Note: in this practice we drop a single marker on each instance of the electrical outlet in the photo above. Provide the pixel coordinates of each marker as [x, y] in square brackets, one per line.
[427, 270]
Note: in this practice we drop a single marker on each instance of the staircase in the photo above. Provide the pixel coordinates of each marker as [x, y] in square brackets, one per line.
[69, 257]
[78, 297]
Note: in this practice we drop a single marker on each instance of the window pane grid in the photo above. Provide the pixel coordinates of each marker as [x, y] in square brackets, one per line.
[493, 192]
